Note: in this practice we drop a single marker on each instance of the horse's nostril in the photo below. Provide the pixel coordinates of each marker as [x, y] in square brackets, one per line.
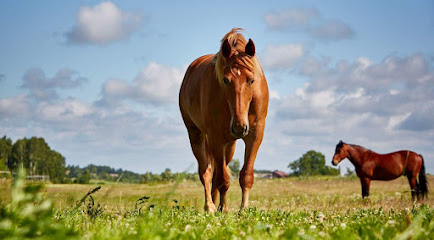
[246, 129]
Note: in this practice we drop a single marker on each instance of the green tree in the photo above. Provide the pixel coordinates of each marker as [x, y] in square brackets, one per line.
[18, 155]
[84, 178]
[147, 177]
[5, 152]
[234, 166]
[56, 169]
[310, 164]
[167, 175]
[349, 172]
[38, 157]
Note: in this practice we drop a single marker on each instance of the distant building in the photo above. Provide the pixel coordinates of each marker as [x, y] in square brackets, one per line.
[279, 174]
[114, 175]
[38, 178]
[275, 174]
[5, 175]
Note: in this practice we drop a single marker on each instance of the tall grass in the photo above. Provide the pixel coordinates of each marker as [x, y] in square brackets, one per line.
[309, 208]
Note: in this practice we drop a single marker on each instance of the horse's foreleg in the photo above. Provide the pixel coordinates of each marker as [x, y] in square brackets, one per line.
[252, 143]
[365, 186]
[204, 158]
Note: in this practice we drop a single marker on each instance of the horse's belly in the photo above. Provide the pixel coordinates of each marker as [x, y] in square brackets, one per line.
[381, 174]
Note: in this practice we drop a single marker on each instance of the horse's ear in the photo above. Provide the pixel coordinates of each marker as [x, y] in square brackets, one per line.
[226, 48]
[340, 142]
[250, 48]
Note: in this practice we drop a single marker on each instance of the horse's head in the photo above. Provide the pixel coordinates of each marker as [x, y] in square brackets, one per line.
[341, 153]
[239, 76]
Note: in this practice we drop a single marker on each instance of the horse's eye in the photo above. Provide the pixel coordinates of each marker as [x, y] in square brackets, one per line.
[251, 81]
[225, 80]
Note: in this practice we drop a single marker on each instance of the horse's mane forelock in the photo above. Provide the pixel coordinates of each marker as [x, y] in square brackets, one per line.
[238, 43]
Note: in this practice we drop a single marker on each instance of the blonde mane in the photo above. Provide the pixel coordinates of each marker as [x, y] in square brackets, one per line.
[238, 45]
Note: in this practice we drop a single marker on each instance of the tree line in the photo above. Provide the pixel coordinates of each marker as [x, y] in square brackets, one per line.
[34, 155]
[105, 173]
[37, 158]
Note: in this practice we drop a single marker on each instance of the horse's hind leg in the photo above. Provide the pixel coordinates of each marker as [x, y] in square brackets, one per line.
[221, 180]
[413, 185]
[214, 190]
[203, 155]
[229, 153]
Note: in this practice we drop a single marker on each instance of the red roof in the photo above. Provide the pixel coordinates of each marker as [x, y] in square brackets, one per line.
[280, 174]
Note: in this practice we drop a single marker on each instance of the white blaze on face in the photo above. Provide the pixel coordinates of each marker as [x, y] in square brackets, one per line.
[239, 72]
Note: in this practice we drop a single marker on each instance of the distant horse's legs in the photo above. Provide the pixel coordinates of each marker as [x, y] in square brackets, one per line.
[203, 155]
[413, 185]
[247, 172]
[365, 186]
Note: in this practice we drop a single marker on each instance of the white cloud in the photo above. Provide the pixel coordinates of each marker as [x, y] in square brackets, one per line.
[17, 106]
[282, 56]
[361, 102]
[274, 94]
[64, 78]
[333, 30]
[296, 18]
[310, 22]
[116, 88]
[155, 84]
[65, 110]
[395, 121]
[159, 83]
[43, 87]
[313, 66]
[102, 24]
[119, 136]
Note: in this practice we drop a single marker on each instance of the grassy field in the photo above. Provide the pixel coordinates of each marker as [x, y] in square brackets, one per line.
[310, 208]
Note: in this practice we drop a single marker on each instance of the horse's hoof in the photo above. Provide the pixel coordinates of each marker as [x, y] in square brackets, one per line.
[222, 209]
[210, 208]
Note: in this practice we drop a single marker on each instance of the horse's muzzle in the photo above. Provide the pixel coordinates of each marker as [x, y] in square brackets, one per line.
[334, 164]
[240, 131]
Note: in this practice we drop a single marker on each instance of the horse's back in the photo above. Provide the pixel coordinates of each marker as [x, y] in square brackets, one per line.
[392, 165]
[194, 74]
[192, 89]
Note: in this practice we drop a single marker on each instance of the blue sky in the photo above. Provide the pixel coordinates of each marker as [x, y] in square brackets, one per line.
[99, 80]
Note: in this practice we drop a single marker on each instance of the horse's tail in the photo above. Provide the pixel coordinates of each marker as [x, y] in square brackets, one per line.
[423, 184]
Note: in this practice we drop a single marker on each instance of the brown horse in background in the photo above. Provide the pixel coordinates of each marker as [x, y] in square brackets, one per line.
[224, 97]
[373, 166]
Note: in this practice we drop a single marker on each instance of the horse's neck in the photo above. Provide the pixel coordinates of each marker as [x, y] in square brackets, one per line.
[355, 154]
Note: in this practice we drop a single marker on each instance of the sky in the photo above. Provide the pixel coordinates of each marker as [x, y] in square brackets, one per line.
[99, 80]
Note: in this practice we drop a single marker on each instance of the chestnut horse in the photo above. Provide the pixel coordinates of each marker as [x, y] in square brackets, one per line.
[224, 97]
[373, 166]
